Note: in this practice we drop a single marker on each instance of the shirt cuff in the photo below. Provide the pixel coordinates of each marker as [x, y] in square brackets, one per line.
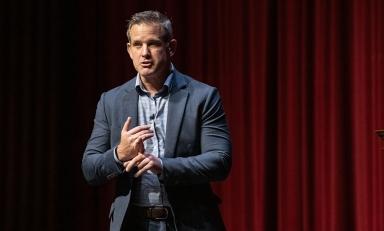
[161, 173]
[115, 156]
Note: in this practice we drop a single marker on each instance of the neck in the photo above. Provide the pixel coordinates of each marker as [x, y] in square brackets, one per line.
[153, 84]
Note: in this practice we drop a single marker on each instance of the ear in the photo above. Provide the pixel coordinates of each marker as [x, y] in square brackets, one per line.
[129, 49]
[172, 47]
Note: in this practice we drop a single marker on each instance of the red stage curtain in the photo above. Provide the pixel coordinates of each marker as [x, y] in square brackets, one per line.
[302, 83]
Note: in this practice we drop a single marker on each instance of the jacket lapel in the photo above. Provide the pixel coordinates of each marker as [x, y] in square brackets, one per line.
[176, 108]
[128, 105]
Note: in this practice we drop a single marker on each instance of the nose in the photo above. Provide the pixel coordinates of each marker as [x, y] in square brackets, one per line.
[144, 50]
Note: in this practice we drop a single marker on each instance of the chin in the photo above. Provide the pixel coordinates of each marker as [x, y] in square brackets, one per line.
[146, 74]
[145, 71]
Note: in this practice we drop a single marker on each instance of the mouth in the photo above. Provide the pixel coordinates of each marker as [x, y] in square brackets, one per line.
[146, 64]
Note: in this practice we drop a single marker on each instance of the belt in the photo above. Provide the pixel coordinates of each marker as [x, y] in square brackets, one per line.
[156, 213]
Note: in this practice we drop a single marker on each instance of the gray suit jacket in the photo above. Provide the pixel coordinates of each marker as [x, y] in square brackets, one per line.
[197, 151]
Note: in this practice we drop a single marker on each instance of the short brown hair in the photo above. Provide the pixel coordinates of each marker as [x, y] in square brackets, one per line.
[152, 17]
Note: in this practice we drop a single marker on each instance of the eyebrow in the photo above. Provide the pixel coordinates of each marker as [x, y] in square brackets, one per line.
[151, 41]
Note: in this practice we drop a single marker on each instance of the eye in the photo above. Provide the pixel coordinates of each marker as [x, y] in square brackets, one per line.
[137, 44]
[155, 44]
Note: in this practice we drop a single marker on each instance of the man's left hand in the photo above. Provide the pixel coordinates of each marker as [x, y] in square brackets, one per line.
[144, 162]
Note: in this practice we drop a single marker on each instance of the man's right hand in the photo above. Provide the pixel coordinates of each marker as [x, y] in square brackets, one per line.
[131, 141]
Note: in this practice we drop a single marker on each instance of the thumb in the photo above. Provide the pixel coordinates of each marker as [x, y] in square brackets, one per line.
[126, 124]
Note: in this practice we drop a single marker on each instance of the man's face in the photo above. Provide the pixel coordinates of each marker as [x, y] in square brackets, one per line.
[149, 53]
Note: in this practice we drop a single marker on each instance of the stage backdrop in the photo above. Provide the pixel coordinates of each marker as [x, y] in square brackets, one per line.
[302, 84]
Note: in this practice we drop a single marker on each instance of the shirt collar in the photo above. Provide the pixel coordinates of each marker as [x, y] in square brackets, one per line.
[165, 90]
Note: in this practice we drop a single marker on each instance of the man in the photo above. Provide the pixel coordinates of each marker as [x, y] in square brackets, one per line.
[164, 137]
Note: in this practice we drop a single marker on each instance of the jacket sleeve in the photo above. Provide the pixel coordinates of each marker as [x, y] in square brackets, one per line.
[99, 164]
[214, 161]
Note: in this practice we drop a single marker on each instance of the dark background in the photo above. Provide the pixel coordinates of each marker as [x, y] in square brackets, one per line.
[301, 81]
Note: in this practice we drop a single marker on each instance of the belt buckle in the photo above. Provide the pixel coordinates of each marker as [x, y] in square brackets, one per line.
[152, 213]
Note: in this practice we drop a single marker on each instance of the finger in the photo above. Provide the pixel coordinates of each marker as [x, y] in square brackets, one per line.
[136, 160]
[141, 139]
[144, 169]
[138, 129]
[129, 165]
[126, 124]
[133, 139]
[143, 163]
[125, 163]
[146, 136]
[141, 133]
[137, 141]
